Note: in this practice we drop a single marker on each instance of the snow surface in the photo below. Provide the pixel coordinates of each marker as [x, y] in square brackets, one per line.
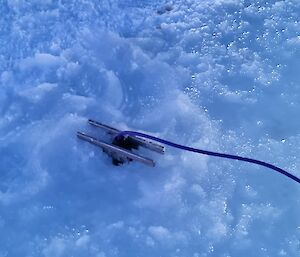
[217, 74]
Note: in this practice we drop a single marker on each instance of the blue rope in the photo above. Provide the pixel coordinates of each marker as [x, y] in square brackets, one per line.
[216, 154]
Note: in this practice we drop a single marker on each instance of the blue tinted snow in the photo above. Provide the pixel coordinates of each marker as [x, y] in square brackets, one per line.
[218, 75]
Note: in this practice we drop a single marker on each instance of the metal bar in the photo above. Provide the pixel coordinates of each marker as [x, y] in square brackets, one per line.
[111, 149]
[142, 142]
[109, 129]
